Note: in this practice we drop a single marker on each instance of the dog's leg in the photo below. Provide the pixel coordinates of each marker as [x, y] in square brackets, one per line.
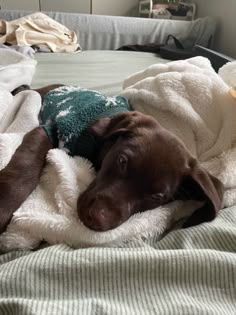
[43, 91]
[20, 89]
[21, 176]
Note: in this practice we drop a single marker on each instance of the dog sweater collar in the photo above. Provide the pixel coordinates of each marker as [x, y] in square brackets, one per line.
[67, 111]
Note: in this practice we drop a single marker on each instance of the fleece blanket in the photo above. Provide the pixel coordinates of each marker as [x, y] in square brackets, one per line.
[15, 69]
[190, 99]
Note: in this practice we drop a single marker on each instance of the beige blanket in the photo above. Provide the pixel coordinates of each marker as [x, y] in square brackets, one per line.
[39, 29]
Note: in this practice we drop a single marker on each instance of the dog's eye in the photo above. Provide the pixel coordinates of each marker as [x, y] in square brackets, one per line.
[122, 161]
[158, 196]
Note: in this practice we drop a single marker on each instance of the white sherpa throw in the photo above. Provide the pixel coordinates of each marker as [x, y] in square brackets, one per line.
[187, 97]
[228, 73]
[15, 69]
[191, 100]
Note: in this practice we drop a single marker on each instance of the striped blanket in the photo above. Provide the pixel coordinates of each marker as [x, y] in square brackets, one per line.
[190, 271]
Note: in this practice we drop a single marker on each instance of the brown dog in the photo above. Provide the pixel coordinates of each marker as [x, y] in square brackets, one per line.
[141, 166]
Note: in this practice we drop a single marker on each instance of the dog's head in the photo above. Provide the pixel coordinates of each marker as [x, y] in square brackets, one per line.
[143, 166]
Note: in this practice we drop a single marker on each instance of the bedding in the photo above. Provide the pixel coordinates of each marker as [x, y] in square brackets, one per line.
[15, 69]
[103, 71]
[189, 271]
[191, 100]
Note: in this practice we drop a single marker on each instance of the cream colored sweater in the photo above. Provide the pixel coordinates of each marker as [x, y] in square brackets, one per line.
[38, 29]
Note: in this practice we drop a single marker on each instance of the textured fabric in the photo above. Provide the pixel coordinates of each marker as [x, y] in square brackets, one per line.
[25, 50]
[97, 32]
[228, 73]
[15, 69]
[190, 271]
[67, 111]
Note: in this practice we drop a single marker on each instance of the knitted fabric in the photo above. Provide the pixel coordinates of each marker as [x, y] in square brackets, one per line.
[67, 111]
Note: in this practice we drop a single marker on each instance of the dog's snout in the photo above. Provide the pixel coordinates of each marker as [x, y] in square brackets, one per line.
[97, 218]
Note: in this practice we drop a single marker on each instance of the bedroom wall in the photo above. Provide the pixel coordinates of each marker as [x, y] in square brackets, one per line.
[120, 7]
[225, 40]
[104, 7]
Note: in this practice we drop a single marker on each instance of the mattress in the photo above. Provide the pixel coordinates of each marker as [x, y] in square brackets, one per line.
[104, 71]
[190, 271]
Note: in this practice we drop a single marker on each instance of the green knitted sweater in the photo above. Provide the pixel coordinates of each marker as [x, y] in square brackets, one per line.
[67, 111]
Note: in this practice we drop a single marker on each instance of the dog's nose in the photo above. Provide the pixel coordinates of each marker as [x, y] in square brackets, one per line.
[97, 219]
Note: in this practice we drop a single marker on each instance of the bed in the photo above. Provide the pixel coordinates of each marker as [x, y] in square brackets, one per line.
[190, 271]
[78, 69]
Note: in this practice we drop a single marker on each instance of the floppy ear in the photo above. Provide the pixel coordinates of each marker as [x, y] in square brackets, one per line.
[202, 186]
[106, 131]
[107, 128]
[99, 127]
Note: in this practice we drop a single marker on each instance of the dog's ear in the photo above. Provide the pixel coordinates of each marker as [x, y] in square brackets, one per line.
[107, 128]
[99, 127]
[202, 186]
[106, 132]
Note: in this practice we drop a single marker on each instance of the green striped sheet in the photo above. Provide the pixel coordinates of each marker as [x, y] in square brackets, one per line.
[190, 271]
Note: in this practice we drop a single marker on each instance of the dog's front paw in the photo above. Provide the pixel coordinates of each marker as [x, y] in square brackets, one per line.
[5, 218]
[8, 200]
[4, 221]
[21, 88]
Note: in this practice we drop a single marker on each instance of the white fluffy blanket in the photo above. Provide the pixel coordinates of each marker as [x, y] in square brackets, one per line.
[187, 97]
[191, 100]
[15, 69]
